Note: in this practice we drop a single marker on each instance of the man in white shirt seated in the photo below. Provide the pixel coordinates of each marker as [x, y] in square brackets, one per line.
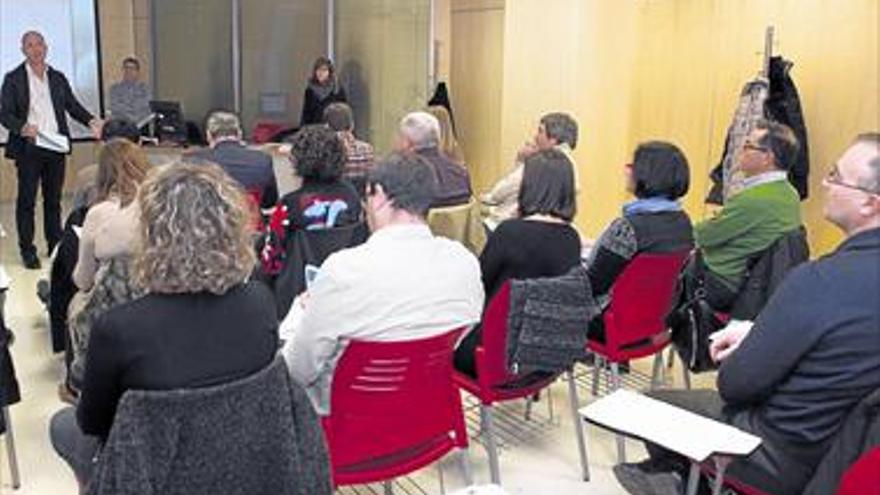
[402, 284]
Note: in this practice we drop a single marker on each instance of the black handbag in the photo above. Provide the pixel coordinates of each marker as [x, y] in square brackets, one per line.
[692, 320]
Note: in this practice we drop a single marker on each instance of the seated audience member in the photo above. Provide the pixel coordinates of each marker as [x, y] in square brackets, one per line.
[110, 228]
[358, 154]
[652, 223]
[106, 243]
[812, 355]
[540, 243]
[61, 287]
[402, 284]
[767, 208]
[84, 188]
[202, 321]
[323, 201]
[555, 130]
[250, 168]
[448, 144]
[419, 133]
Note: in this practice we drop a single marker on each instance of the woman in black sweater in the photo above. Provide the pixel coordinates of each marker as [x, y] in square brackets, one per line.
[323, 89]
[652, 223]
[540, 243]
[202, 322]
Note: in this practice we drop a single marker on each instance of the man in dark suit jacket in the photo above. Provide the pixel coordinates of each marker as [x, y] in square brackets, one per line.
[251, 168]
[34, 99]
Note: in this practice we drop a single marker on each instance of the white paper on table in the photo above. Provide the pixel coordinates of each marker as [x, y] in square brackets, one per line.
[674, 428]
[53, 141]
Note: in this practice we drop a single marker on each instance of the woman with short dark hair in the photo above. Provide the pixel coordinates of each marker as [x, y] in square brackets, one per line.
[539, 243]
[652, 223]
[322, 89]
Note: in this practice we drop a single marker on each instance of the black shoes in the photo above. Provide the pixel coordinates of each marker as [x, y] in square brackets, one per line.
[31, 261]
[645, 479]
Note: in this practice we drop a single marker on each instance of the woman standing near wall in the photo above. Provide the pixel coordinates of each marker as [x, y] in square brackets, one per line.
[323, 89]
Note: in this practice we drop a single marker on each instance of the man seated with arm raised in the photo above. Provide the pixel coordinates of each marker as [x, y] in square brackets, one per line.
[555, 130]
[402, 284]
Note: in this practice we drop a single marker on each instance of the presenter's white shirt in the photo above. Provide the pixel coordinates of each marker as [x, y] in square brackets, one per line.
[402, 284]
[41, 112]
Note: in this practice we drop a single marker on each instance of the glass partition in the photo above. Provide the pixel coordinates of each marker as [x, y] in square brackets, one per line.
[382, 59]
[279, 43]
[192, 54]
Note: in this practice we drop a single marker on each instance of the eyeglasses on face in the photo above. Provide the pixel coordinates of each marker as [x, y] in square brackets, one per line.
[834, 177]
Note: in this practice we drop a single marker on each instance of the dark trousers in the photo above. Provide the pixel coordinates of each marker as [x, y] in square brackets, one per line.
[38, 167]
[777, 466]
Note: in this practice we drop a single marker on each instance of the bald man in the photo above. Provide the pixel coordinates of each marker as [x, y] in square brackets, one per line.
[34, 99]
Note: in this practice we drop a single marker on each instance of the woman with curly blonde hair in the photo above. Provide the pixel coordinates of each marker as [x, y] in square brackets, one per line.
[202, 322]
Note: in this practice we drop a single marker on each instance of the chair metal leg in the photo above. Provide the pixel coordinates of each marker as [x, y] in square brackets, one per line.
[387, 488]
[491, 447]
[440, 477]
[670, 360]
[578, 427]
[549, 392]
[693, 479]
[10, 450]
[597, 365]
[721, 463]
[686, 376]
[657, 372]
[464, 459]
[621, 441]
[529, 401]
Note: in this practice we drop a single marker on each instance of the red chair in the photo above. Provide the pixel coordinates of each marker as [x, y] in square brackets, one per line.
[264, 130]
[495, 383]
[635, 320]
[394, 409]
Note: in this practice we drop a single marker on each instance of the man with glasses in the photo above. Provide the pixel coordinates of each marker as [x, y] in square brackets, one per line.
[812, 355]
[130, 97]
[767, 208]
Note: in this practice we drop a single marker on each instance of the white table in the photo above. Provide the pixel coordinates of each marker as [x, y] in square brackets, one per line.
[696, 437]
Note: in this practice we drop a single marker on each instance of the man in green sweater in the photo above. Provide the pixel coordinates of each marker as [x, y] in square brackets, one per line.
[767, 208]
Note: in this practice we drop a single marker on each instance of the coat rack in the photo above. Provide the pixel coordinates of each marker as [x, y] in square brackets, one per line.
[768, 51]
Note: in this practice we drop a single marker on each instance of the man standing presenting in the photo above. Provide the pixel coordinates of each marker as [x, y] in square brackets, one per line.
[34, 100]
[130, 97]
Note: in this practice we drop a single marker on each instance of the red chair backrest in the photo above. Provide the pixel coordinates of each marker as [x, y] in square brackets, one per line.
[255, 196]
[641, 298]
[388, 397]
[491, 355]
[264, 130]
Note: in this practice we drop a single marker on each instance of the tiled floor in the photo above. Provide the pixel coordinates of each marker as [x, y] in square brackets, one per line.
[540, 456]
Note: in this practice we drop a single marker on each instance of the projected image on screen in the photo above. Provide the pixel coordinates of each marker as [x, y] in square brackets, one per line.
[69, 28]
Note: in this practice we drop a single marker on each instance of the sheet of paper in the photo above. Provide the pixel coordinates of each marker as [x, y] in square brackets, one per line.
[53, 141]
[689, 434]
